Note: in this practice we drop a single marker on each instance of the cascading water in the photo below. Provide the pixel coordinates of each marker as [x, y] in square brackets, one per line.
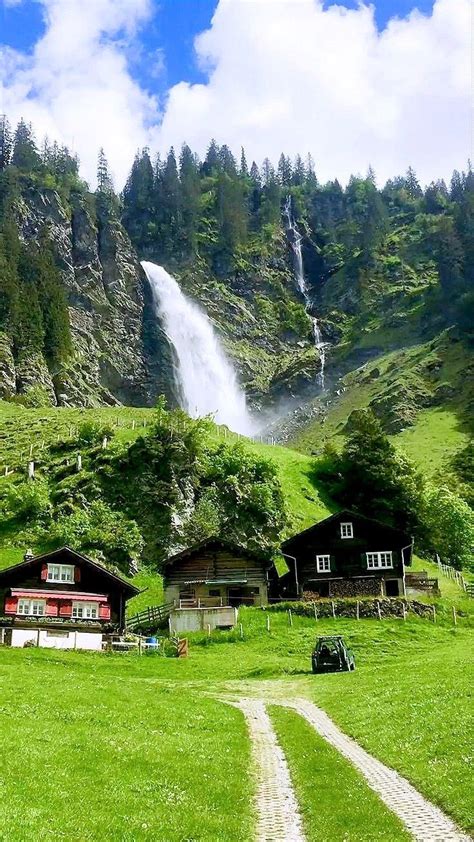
[206, 379]
[296, 240]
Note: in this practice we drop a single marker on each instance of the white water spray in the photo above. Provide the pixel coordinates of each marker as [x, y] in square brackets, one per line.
[296, 240]
[206, 379]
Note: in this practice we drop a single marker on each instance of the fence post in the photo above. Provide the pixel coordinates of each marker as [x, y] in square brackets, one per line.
[208, 629]
[455, 619]
[315, 612]
[333, 609]
[31, 470]
[268, 623]
[357, 610]
[378, 610]
[434, 613]
[241, 631]
[404, 611]
[290, 617]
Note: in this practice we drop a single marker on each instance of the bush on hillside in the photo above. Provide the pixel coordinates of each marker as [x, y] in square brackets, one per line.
[93, 432]
[449, 527]
[98, 528]
[29, 501]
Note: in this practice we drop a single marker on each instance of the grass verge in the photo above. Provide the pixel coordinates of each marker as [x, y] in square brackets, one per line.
[335, 802]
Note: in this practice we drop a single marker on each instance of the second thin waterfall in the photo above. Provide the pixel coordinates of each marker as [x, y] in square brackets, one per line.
[295, 240]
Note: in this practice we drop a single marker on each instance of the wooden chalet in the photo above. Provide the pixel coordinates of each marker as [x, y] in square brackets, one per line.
[61, 599]
[216, 573]
[346, 554]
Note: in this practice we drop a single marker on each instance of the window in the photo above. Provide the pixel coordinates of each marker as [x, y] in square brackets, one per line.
[85, 610]
[323, 563]
[60, 573]
[31, 607]
[347, 530]
[214, 592]
[379, 561]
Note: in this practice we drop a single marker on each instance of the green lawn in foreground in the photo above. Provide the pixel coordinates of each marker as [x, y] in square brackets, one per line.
[100, 754]
[102, 730]
[335, 801]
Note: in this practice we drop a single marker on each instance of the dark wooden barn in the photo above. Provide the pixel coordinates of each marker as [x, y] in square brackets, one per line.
[346, 555]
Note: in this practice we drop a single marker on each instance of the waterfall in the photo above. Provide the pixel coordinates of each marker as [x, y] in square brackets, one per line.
[206, 380]
[296, 239]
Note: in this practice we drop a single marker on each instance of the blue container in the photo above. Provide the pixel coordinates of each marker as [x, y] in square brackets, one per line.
[152, 640]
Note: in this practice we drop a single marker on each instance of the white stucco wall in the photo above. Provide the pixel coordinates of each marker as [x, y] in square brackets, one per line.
[22, 636]
[58, 639]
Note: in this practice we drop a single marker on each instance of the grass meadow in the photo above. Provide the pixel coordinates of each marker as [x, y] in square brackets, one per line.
[123, 747]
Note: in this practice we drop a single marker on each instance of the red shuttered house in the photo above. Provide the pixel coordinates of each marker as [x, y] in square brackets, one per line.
[63, 600]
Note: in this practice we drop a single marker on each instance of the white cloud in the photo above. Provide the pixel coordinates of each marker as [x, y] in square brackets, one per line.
[287, 75]
[283, 75]
[76, 86]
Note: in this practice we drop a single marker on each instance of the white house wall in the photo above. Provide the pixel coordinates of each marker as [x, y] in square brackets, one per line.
[53, 639]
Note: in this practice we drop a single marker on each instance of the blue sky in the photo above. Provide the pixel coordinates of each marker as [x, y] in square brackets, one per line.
[353, 85]
[172, 29]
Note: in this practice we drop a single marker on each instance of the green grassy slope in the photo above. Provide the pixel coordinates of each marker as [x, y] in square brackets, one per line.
[423, 394]
[41, 429]
[146, 753]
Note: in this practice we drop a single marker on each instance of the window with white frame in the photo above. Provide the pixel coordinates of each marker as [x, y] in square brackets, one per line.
[347, 530]
[60, 573]
[323, 563]
[379, 561]
[31, 607]
[85, 610]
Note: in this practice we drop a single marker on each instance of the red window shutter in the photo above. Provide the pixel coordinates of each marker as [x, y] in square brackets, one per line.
[65, 609]
[104, 611]
[44, 572]
[11, 603]
[77, 574]
[52, 607]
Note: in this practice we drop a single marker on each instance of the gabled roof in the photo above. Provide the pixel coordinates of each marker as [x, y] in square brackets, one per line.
[75, 558]
[214, 543]
[343, 515]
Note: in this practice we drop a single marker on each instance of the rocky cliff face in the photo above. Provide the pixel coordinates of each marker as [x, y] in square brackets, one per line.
[120, 355]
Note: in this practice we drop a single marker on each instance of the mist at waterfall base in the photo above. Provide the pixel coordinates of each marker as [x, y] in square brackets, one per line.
[206, 380]
[296, 239]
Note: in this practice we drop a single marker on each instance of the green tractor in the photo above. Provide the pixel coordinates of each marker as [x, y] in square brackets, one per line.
[331, 654]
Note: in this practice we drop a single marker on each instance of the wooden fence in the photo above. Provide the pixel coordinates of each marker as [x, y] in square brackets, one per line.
[451, 573]
[151, 617]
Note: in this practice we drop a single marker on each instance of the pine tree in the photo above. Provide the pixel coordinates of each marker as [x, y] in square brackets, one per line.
[57, 343]
[6, 142]
[244, 171]
[284, 170]
[104, 179]
[190, 194]
[211, 163]
[412, 184]
[298, 175]
[255, 175]
[227, 161]
[25, 155]
[170, 204]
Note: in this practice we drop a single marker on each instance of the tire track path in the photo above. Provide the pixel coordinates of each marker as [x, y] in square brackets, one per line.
[425, 822]
[278, 816]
